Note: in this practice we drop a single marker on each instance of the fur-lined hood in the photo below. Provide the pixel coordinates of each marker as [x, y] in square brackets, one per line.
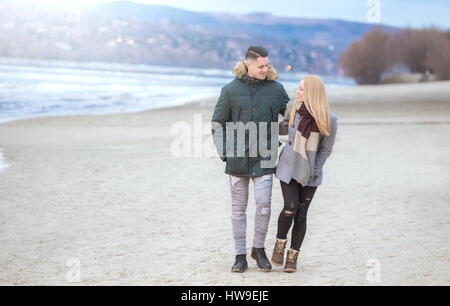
[240, 69]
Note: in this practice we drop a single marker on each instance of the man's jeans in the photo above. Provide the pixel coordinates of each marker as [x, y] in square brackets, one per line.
[239, 197]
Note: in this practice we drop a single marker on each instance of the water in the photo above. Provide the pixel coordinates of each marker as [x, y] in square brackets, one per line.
[36, 88]
[3, 164]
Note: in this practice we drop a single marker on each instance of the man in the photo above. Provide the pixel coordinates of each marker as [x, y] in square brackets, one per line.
[253, 97]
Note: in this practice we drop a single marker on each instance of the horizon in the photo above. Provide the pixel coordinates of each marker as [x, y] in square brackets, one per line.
[413, 14]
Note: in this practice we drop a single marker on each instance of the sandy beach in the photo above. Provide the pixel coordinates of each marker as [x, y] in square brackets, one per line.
[104, 196]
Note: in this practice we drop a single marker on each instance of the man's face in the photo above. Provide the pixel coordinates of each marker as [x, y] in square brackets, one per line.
[257, 68]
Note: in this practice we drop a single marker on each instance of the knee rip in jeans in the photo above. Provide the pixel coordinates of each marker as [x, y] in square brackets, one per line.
[265, 210]
[289, 209]
[288, 213]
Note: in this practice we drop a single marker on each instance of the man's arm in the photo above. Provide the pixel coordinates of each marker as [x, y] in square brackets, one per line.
[218, 123]
[284, 100]
[283, 125]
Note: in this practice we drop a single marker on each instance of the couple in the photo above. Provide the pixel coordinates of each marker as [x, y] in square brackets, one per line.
[255, 96]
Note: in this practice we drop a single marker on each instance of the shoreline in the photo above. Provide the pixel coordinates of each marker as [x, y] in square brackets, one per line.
[388, 100]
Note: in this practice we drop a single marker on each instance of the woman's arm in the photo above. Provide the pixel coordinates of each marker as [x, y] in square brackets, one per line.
[326, 147]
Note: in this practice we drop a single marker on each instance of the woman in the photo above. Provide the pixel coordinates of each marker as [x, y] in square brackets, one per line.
[311, 127]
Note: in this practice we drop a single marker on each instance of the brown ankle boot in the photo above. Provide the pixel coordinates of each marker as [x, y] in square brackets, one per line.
[278, 252]
[291, 261]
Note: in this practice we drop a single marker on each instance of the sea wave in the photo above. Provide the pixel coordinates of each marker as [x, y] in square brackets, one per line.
[3, 164]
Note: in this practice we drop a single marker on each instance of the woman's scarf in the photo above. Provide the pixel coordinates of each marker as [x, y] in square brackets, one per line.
[305, 144]
[307, 124]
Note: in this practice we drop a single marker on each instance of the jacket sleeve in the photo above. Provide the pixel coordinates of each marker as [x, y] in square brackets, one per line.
[284, 100]
[284, 124]
[222, 114]
[326, 147]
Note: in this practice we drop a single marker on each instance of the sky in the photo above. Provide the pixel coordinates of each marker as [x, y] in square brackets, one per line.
[401, 13]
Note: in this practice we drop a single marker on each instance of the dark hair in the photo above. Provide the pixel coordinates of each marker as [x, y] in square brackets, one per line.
[254, 52]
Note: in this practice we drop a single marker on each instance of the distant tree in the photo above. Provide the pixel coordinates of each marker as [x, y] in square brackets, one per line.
[411, 47]
[438, 55]
[367, 59]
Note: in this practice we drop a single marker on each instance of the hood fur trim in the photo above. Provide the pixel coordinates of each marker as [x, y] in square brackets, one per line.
[240, 70]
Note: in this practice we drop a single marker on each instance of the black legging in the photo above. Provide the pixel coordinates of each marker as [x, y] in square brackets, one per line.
[296, 203]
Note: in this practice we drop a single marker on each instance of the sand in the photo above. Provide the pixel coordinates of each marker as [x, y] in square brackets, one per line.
[101, 200]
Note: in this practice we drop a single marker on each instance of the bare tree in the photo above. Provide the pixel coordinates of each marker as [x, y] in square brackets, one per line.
[438, 56]
[412, 47]
[367, 59]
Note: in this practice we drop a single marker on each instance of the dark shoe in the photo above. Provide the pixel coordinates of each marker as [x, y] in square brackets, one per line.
[241, 264]
[291, 261]
[278, 252]
[261, 259]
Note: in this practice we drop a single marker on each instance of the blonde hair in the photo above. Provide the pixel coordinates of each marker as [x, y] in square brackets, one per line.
[315, 99]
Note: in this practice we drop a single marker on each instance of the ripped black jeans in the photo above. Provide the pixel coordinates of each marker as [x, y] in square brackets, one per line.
[296, 203]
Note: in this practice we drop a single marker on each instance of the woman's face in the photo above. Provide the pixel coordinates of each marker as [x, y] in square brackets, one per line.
[299, 91]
